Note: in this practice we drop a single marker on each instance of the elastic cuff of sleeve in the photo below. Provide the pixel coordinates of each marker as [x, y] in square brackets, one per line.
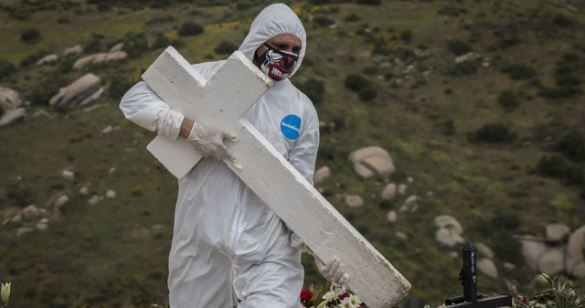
[169, 123]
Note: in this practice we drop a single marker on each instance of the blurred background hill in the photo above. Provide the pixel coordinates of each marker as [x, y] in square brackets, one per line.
[478, 104]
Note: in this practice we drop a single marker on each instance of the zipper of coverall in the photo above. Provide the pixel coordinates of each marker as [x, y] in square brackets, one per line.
[236, 230]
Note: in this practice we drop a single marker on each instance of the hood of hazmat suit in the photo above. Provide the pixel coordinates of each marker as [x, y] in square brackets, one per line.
[229, 248]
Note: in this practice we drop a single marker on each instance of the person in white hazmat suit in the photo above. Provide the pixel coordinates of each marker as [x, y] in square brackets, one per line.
[229, 248]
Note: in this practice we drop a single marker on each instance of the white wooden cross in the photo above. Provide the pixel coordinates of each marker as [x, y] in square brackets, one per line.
[223, 100]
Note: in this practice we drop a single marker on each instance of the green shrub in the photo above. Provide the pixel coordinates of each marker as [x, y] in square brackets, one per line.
[553, 166]
[190, 29]
[367, 94]
[160, 41]
[465, 68]
[371, 70]
[47, 86]
[119, 85]
[314, 89]
[353, 17]
[559, 92]
[519, 71]
[30, 36]
[451, 11]
[493, 133]
[225, 48]
[93, 46]
[406, 35]
[135, 44]
[572, 145]
[356, 82]
[509, 100]
[458, 47]
[33, 58]
[6, 68]
[563, 20]
[323, 21]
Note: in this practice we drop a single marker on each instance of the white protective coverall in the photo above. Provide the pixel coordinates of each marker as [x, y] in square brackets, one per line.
[229, 248]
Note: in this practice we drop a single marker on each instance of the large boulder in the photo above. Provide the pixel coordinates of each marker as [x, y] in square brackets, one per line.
[75, 50]
[449, 232]
[389, 192]
[353, 200]
[552, 261]
[532, 251]
[371, 161]
[47, 59]
[100, 58]
[9, 99]
[321, 175]
[484, 250]
[557, 232]
[575, 249]
[12, 116]
[487, 267]
[81, 92]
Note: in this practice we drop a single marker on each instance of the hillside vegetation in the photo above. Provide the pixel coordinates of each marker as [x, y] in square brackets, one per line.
[480, 104]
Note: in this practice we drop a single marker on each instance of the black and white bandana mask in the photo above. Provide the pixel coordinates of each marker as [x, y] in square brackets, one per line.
[277, 64]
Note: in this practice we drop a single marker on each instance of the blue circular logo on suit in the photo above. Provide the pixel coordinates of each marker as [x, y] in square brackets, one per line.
[290, 127]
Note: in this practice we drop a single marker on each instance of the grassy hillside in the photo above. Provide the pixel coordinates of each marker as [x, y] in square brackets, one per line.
[428, 112]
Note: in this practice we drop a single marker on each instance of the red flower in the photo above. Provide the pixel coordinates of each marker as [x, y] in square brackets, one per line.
[343, 295]
[306, 295]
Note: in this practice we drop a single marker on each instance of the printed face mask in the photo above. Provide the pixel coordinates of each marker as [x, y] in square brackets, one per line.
[277, 64]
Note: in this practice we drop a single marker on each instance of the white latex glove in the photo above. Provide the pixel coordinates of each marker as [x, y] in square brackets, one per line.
[210, 141]
[333, 271]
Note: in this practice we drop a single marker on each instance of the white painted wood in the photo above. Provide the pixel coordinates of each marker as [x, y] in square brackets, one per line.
[268, 174]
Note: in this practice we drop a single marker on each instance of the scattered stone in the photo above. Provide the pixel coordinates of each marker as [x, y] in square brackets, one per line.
[81, 92]
[9, 99]
[353, 200]
[410, 180]
[47, 59]
[110, 194]
[100, 58]
[16, 218]
[371, 161]
[448, 237]
[410, 204]
[44, 220]
[487, 267]
[61, 201]
[30, 211]
[93, 200]
[389, 192]
[40, 226]
[484, 250]
[321, 175]
[68, 175]
[453, 254]
[117, 47]
[557, 232]
[430, 193]
[552, 261]
[449, 232]
[11, 116]
[391, 216]
[509, 266]
[108, 129]
[402, 189]
[467, 57]
[112, 170]
[84, 190]
[23, 230]
[532, 251]
[575, 249]
[448, 222]
[75, 50]
[401, 236]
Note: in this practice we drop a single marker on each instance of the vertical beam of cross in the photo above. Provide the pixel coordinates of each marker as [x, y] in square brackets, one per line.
[222, 101]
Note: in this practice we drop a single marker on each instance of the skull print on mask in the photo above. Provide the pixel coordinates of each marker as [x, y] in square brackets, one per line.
[277, 64]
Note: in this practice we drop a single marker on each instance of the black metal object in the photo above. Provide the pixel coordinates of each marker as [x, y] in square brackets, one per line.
[468, 278]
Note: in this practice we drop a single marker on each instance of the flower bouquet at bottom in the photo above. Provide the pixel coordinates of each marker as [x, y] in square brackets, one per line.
[333, 297]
